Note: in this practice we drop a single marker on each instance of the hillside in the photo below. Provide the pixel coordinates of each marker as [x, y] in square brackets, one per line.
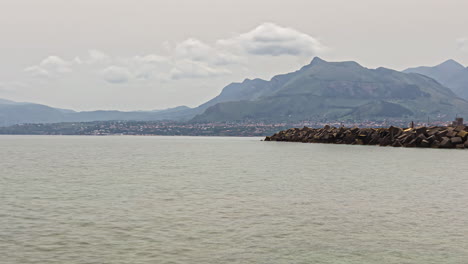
[16, 113]
[336, 90]
[450, 73]
[12, 113]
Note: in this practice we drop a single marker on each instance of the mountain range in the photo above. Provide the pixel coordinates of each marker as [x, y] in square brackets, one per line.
[17, 113]
[325, 90]
[320, 90]
[450, 73]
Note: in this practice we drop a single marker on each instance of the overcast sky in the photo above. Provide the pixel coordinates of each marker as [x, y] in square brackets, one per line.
[141, 55]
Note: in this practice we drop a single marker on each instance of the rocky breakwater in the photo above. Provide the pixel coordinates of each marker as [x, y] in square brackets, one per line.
[422, 137]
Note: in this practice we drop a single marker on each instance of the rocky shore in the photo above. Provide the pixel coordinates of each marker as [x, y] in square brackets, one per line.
[421, 137]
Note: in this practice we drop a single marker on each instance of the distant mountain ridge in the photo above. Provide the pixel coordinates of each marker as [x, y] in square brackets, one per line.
[325, 90]
[12, 113]
[318, 91]
[449, 73]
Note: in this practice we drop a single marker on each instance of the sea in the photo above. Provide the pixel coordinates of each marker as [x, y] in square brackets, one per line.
[177, 200]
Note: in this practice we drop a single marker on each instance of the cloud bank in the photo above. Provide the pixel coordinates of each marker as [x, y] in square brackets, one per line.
[188, 59]
[270, 39]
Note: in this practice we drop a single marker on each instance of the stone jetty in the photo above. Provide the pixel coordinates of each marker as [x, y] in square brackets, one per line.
[421, 137]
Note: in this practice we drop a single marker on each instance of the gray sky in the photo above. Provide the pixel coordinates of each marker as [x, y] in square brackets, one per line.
[141, 55]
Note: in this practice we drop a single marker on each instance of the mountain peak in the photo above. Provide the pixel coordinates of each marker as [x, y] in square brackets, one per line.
[316, 60]
[451, 64]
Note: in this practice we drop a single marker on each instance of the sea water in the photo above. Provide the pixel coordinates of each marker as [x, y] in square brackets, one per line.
[124, 199]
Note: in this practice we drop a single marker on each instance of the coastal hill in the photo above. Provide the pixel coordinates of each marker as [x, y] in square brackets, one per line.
[336, 91]
[12, 113]
[450, 73]
[17, 112]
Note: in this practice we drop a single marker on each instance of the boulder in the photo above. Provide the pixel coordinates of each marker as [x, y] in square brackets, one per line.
[452, 133]
[422, 137]
[408, 139]
[397, 143]
[424, 144]
[456, 140]
[385, 141]
[432, 131]
[420, 130]
[394, 131]
[462, 134]
[445, 143]
[431, 139]
[441, 133]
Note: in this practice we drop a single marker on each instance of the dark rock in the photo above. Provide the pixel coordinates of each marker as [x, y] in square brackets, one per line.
[432, 131]
[408, 139]
[420, 130]
[424, 144]
[445, 143]
[462, 134]
[435, 144]
[422, 137]
[397, 143]
[358, 142]
[431, 139]
[442, 133]
[394, 131]
[386, 141]
[456, 140]
[452, 133]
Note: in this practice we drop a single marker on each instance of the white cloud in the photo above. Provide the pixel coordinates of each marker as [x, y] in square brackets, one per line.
[93, 57]
[151, 58]
[116, 74]
[49, 66]
[196, 50]
[56, 64]
[187, 69]
[193, 49]
[147, 67]
[37, 71]
[462, 44]
[273, 40]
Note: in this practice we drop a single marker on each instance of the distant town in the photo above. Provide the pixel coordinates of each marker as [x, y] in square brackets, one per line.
[242, 129]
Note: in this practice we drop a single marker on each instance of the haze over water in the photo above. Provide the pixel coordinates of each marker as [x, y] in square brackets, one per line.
[228, 200]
